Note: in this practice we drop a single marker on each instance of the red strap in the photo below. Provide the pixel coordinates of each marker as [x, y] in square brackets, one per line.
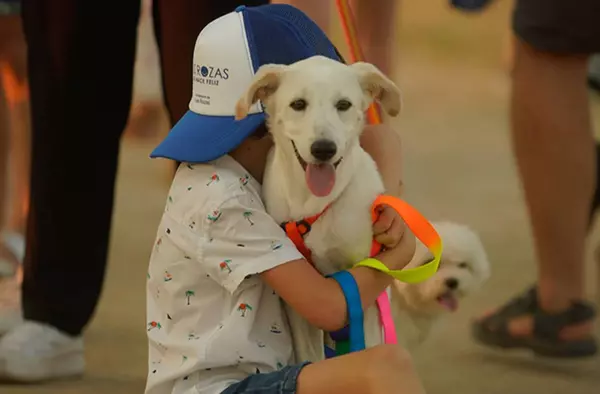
[310, 220]
[296, 231]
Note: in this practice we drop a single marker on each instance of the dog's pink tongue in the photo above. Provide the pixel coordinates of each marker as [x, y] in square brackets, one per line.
[448, 301]
[320, 178]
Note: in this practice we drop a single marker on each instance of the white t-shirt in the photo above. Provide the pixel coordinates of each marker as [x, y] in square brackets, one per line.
[211, 320]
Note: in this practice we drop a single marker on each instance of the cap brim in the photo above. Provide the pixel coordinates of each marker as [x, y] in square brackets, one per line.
[199, 138]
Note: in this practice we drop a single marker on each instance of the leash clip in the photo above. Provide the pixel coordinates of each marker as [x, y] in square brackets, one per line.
[303, 227]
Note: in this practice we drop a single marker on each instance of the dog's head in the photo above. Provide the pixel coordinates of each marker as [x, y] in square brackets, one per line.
[464, 267]
[316, 111]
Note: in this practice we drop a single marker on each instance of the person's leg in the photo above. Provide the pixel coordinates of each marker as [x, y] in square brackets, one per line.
[147, 115]
[81, 73]
[6, 257]
[80, 65]
[554, 147]
[14, 179]
[382, 369]
[376, 25]
[13, 78]
[18, 102]
[555, 152]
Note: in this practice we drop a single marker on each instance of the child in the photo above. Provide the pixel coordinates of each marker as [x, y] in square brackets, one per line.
[221, 266]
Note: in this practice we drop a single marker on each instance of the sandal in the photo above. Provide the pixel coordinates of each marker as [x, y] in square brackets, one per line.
[544, 340]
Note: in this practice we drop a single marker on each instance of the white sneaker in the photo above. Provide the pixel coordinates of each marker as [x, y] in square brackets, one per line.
[10, 303]
[33, 352]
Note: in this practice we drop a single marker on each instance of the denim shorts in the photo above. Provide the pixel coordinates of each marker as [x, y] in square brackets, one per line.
[283, 381]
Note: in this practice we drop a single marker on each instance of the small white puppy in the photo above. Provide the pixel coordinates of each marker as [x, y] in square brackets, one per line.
[316, 113]
[464, 267]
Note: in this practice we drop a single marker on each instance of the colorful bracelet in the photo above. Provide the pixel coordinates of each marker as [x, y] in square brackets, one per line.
[355, 312]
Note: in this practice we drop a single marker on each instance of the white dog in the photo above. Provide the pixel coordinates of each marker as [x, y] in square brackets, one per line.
[464, 267]
[316, 113]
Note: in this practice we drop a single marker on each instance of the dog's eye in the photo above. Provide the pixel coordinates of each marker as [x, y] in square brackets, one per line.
[343, 105]
[298, 105]
[463, 265]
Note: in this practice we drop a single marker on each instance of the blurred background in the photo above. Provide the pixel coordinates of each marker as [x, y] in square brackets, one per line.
[454, 70]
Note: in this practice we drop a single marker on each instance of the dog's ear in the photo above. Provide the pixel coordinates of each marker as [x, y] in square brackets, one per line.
[379, 87]
[264, 84]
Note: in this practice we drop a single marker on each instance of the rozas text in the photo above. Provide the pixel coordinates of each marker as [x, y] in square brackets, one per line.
[210, 75]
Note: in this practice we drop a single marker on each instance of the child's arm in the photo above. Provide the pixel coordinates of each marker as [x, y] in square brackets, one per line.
[239, 239]
[320, 300]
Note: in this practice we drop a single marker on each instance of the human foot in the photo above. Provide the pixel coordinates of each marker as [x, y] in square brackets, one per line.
[521, 323]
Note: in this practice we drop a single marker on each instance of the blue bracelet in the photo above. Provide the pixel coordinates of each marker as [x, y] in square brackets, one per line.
[355, 311]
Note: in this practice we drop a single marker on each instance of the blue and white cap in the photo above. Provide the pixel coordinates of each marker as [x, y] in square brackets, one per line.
[227, 54]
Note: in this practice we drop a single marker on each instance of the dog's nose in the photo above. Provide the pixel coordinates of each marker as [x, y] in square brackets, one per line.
[452, 283]
[323, 150]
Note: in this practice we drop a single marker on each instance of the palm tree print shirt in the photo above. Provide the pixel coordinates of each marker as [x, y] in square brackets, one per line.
[211, 321]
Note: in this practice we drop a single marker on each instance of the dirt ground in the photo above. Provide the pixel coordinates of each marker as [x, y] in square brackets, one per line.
[458, 166]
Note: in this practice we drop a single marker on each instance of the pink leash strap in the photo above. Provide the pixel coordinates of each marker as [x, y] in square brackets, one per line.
[385, 308]
[386, 319]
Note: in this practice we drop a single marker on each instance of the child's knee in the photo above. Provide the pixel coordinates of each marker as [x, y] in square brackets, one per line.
[394, 357]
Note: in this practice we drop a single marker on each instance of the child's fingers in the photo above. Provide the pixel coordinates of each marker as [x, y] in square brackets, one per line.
[405, 249]
[384, 222]
[392, 236]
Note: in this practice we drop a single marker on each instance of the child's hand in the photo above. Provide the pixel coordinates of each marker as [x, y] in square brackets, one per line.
[389, 227]
[391, 231]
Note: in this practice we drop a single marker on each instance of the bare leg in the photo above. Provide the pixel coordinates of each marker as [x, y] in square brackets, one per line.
[555, 152]
[382, 369]
[13, 130]
[4, 133]
[147, 116]
[14, 149]
[15, 78]
[376, 22]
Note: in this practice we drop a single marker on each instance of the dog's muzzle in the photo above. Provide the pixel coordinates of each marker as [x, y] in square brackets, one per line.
[323, 150]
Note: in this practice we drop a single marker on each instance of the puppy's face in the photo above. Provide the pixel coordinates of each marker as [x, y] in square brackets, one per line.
[316, 111]
[463, 269]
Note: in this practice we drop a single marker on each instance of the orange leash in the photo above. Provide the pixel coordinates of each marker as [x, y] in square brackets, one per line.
[15, 92]
[356, 53]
